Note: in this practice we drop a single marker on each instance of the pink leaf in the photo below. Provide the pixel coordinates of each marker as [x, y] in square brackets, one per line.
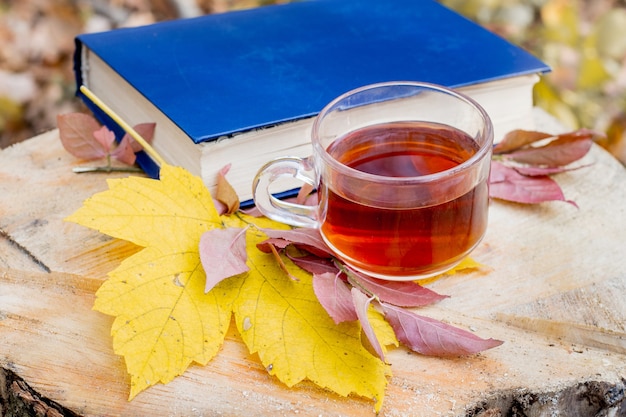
[516, 139]
[76, 133]
[303, 238]
[533, 171]
[314, 264]
[507, 184]
[433, 337]
[361, 303]
[334, 295]
[146, 131]
[223, 254]
[560, 152]
[266, 245]
[400, 293]
[105, 137]
[124, 152]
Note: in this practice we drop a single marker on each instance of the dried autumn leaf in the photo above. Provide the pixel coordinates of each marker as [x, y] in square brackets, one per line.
[163, 319]
[123, 152]
[105, 138]
[399, 293]
[225, 192]
[76, 133]
[560, 152]
[314, 264]
[304, 238]
[518, 138]
[362, 305]
[223, 254]
[433, 337]
[145, 130]
[532, 171]
[508, 184]
[82, 136]
[126, 149]
[334, 295]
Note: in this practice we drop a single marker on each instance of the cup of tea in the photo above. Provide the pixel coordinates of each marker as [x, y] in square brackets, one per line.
[401, 170]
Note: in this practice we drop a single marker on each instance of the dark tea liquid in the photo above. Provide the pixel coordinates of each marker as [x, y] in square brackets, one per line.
[400, 242]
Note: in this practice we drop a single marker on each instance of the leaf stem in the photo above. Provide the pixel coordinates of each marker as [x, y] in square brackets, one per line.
[353, 278]
[109, 168]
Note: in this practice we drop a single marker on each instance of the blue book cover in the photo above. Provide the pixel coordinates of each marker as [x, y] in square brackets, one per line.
[224, 73]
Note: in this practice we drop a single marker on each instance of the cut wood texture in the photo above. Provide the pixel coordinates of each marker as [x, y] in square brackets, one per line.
[552, 289]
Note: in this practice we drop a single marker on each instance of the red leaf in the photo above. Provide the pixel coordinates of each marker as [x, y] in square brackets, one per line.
[76, 133]
[124, 152]
[334, 295]
[361, 304]
[559, 152]
[223, 254]
[400, 293]
[266, 245]
[516, 139]
[314, 264]
[105, 138]
[303, 238]
[507, 184]
[433, 337]
[532, 171]
[146, 131]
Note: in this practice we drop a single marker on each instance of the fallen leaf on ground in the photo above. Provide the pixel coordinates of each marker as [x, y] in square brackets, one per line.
[524, 160]
[433, 337]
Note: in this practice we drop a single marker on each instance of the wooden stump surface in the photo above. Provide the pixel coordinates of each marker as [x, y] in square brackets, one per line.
[553, 288]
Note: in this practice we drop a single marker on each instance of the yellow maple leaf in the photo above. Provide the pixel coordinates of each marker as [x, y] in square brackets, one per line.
[163, 319]
[282, 320]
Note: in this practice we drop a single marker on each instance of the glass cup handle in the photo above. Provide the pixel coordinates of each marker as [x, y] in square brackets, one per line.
[280, 210]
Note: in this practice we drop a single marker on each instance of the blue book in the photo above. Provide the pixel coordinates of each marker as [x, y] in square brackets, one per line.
[242, 87]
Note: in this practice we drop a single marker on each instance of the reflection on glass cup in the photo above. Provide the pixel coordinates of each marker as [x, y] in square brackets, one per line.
[401, 170]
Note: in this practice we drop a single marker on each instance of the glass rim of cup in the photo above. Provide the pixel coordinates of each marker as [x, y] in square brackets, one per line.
[427, 178]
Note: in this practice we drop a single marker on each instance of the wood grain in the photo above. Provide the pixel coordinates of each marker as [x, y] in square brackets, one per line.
[552, 288]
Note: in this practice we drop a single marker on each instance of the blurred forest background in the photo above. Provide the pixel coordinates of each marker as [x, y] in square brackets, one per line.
[584, 41]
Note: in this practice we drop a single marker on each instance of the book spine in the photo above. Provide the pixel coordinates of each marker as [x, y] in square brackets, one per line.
[81, 68]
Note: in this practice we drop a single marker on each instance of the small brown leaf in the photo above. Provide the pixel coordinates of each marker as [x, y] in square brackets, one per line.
[516, 139]
[225, 193]
[560, 152]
